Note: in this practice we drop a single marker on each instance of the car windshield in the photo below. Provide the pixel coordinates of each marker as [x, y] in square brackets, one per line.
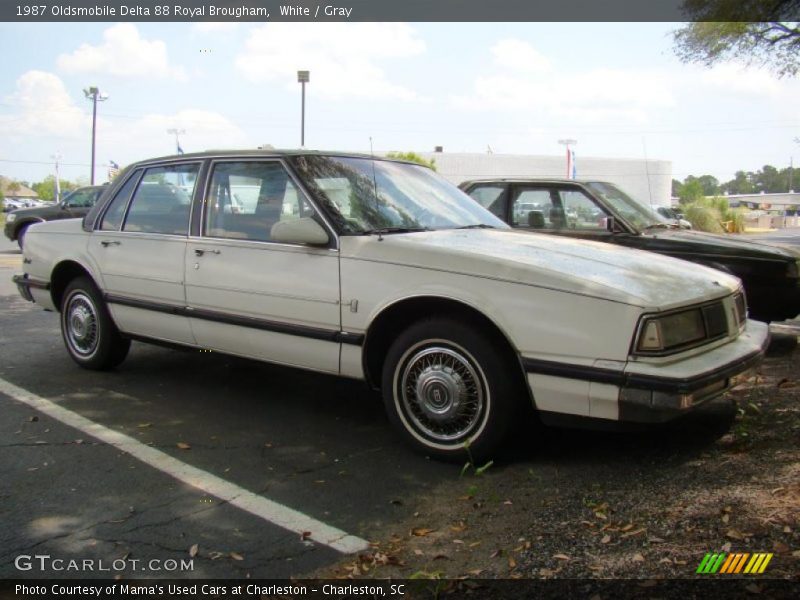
[367, 195]
[638, 215]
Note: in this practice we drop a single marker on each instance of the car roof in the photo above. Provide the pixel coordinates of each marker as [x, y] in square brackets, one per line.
[531, 180]
[267, 153]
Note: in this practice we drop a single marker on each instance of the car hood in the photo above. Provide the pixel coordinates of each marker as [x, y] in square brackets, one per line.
[601, 270]
[39, 212]
[700, 242]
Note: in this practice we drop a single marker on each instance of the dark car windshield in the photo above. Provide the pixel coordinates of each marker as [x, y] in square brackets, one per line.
[369, 195]
[635, 213]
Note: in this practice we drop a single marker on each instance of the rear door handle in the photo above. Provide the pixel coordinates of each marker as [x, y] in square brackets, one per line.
[107, 243]
[202, 251]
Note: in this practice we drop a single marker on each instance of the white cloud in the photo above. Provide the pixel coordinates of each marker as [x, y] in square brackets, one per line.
[343, 57]
[215, 27]
[123, 53]
[519, 55]
[46, 119]
[589, 95]
[42, 106]
[738, 79]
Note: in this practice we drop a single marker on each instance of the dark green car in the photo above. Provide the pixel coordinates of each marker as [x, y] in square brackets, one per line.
[74, 205]
[599, 211]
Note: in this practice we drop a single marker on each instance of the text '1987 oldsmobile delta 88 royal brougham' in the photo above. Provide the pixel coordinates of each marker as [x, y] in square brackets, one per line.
[381, 270]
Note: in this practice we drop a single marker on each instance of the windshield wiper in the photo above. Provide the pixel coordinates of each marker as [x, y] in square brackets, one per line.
[380, 231]
[477, 226]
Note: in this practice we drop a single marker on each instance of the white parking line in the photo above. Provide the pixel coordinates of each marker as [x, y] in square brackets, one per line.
[257, 505]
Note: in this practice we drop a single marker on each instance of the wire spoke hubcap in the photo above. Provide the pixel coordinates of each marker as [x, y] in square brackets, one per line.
[81, 325]
[442, 393]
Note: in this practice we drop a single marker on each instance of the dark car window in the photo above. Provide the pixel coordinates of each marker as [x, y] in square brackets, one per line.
[82, 198]
[247, 198]
[162, 201]
[581, 212]
[534, 208]
[112, 220]
[492, 198]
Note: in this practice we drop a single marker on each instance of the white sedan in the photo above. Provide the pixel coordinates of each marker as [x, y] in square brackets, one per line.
[382, 271]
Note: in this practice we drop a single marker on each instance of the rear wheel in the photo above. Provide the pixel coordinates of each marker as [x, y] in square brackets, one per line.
[91, 338]
[451, 390]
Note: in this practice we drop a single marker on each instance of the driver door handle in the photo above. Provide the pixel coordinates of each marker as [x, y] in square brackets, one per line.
[107, 243]
[202, 251]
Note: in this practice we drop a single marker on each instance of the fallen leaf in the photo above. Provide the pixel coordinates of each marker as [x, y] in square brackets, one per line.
[753, 588]
[512, 564]
[508, 502]
[637, 532]
[627, 527]
[418, 552]
[305, 535]
[726, 547]
[441, 557]
[214, 554]
[236, 556]
[461, 526]
[193, 550]
[780, 547]
[421, 531]
[734, 534]
[474, 544]
[787, 529]
[475, 572]
[726, 518]
[638, 557]
[606, 539]
[458, 541]
[496, 553]
[560, 556]
[79, 442]
[144, 425]
[183, 445]
[665, 561]
[796, 553]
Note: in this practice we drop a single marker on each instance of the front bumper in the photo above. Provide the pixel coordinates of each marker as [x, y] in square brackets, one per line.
[25, 283]
[645, 392]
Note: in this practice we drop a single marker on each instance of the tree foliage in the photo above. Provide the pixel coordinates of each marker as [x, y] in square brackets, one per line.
[768, 179]
[752, 31]
[46, 189]
[413, 157]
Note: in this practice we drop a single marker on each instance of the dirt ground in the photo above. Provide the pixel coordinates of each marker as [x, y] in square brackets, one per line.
[576, 504]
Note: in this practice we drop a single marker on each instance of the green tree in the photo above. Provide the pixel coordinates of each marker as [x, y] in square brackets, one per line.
[676, 188]
[413, 157]
[710, 185]
[46, 189]
[752, 31]
[742, 183]
[691, 191]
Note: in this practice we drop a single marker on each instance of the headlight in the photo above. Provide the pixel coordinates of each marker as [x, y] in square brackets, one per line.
[11, 217]
[676, 331]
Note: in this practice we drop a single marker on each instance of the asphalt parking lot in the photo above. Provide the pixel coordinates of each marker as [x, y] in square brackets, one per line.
[248, 469]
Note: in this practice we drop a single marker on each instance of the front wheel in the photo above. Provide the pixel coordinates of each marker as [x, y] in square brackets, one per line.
[451, 390]
[91, 338]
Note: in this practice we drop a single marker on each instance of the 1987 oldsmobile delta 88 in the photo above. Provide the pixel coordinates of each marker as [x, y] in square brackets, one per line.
[381, 270]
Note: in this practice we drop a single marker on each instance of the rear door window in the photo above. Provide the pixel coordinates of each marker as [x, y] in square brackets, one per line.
[162, 201]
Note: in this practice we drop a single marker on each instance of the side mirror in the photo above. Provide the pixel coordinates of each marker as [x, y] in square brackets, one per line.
[304, 230]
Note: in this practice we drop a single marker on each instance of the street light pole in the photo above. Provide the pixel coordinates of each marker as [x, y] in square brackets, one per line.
[568, 143]
[303, 77]
[95, 95]
[57, 190]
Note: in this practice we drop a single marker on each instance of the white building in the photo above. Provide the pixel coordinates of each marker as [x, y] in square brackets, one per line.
[649, 181]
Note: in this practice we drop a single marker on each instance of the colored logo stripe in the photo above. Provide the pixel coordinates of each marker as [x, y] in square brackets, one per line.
[734, 563]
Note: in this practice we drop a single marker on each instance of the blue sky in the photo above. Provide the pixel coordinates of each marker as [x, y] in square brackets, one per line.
[515, 87]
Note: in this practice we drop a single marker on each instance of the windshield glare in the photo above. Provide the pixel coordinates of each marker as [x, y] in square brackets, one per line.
[637, 214]
[365, 195]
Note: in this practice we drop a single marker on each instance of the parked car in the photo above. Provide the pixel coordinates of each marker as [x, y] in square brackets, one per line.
[10, 204]
[607, 214]
[75, 204]
[382, 271]
[674, 217]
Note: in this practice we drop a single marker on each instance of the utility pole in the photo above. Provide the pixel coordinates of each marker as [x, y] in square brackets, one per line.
[57, 158]
[95, 95]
